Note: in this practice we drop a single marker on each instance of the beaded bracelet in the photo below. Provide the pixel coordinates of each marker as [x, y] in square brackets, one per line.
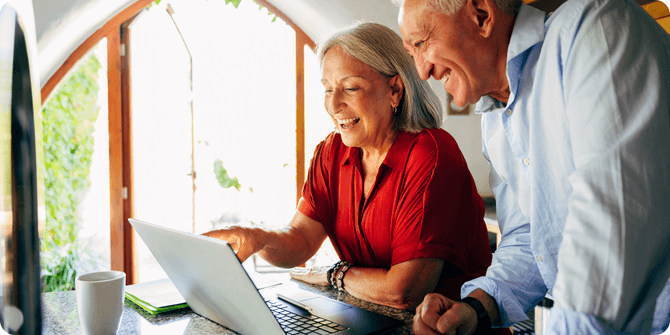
[340, 276]
[335, 273]
[329, 274]
[333, 276]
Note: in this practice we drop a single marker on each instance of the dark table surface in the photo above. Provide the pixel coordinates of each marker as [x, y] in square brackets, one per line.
[60, 316]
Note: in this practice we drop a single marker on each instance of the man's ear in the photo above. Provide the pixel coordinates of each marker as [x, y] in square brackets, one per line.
[483, 13]
[397, 89]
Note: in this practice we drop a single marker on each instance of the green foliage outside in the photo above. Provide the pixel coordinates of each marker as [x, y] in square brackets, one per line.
[220, 172]
[236, 3]
[222, 177]
[68, 122]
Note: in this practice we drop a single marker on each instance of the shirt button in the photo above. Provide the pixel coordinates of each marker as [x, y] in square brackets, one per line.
[526, 161]
[539, 258]
[508, 112]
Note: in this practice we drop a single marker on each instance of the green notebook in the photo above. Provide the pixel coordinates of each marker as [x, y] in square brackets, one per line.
[161, 295]
[156, 297]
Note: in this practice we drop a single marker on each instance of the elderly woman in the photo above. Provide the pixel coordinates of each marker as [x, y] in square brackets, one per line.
[389, 187]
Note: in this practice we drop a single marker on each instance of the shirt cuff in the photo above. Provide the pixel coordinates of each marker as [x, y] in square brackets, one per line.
[510, 310]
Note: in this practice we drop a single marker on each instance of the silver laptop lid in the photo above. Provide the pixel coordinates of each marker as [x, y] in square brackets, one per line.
[209, 276]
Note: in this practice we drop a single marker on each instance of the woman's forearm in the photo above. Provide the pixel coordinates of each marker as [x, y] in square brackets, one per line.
[286, 248]
[294, 244]
[403, 286]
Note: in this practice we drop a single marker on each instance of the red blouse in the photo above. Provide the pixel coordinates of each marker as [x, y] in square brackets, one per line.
[424, 203]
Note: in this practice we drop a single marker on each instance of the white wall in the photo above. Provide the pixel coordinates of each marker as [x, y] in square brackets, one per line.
[467, 132]
[320, 18]
[466, 129]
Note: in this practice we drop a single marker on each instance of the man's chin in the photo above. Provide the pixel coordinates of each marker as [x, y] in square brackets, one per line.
[459, 101]
[458, 98]
[460, 105]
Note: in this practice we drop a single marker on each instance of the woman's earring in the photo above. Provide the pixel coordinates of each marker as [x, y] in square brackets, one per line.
[395, 109]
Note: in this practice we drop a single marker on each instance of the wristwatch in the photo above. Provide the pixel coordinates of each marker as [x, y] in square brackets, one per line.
[483, 319]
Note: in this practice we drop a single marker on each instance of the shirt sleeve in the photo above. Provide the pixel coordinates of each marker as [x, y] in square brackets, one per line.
[439, 212]
[317, 187]
[613, 259]
[513, 278]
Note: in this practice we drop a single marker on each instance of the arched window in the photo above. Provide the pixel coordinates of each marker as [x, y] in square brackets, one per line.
[225, 129]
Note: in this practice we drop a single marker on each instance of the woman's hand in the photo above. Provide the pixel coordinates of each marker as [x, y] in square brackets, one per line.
[315, 275]
[245, 241]
[284, 247]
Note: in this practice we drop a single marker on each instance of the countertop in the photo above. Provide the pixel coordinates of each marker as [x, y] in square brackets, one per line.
[60, 316]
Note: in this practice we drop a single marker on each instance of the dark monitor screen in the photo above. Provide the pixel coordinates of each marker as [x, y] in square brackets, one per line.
[20, 181]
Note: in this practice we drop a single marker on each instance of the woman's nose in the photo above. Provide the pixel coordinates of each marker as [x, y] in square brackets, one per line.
[335, 102]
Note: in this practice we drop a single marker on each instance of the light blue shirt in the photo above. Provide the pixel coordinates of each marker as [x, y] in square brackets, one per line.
[580, 169]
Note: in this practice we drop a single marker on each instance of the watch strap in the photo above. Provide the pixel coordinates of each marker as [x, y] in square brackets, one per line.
[483, 319]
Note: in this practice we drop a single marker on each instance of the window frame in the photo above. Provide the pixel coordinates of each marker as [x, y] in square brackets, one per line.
[117, 32]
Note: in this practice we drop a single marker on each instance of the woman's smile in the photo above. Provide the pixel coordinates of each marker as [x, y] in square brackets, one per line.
[348, 123]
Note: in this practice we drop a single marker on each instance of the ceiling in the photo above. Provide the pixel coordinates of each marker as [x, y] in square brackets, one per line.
[62, 25]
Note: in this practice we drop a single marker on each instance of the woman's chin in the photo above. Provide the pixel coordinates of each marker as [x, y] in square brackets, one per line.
[349, 140]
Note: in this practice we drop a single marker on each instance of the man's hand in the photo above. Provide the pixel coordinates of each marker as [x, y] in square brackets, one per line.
[440, 315]
[244, 241]
[315, 275]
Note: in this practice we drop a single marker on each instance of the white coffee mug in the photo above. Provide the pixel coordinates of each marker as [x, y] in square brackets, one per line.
[100, 301]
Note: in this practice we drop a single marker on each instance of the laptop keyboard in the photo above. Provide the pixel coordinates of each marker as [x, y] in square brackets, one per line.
[293, 323]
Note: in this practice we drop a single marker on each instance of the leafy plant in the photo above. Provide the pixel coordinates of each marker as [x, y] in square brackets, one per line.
[222, 176]
[236, 3]
[58, 269]
[68, 122]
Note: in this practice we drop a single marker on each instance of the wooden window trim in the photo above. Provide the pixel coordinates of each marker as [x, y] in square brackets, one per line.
[551, 5]
[122, 245]
[657, 9]
[305, 39]
[109, 27]
[300, 41]
[115, 129]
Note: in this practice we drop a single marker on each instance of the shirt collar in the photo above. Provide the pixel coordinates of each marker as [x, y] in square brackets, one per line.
[528, 31]
[350, 155]
[488, 104]
[394, 159]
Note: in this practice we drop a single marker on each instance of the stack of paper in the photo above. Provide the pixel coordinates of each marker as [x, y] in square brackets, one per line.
[156, 296]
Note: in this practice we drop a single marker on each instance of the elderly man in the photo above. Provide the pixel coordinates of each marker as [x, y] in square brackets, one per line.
[576, 126]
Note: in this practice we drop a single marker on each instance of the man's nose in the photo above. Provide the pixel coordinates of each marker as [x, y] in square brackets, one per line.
[423, 67]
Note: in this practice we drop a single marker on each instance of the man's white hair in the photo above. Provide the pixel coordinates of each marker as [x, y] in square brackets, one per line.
[449, 7]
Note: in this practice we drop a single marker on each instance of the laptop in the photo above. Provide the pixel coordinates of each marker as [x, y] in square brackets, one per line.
[210, 277]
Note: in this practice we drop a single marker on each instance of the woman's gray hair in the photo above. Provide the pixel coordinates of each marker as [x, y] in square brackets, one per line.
[449, 7]
[381, 48]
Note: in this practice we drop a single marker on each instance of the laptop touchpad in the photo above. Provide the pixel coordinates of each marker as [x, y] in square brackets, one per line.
[325, 305]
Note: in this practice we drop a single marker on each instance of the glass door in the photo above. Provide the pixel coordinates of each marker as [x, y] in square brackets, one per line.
[161, 130]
